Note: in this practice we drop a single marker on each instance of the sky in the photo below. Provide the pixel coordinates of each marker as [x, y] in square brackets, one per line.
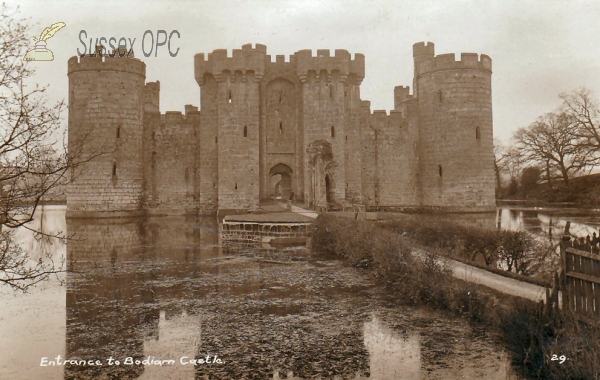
[539, 49]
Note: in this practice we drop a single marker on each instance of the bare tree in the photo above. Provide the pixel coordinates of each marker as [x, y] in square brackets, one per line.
[33, 155]
[583, 108]
[500, 161]
[550, 143]
[508, 163]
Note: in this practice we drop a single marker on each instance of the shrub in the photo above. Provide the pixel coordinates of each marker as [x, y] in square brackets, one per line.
[482, 243]
[517, 250]
[358, 242]
[531, 335]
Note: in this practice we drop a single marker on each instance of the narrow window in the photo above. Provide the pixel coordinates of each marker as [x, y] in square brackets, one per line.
[229, 97]
[331, 92]
[236, 185]
[478, 133]
[280, 127]
[280, 98]
[439, 96]
[440, 170]
[346, 138]
[332, 131]
[215, 139]
[119, 132]
[114, 169]
[245, 131]
[214, 184]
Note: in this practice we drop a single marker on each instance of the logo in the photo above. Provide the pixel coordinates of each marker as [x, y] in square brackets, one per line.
[40, 52]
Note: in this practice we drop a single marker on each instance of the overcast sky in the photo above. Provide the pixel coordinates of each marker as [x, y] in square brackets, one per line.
[538, 48]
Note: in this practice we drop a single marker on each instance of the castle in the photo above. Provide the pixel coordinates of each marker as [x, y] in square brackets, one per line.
[269, 127]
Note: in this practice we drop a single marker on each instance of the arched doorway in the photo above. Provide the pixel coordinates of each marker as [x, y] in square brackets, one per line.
[328, 189]
[280, 181]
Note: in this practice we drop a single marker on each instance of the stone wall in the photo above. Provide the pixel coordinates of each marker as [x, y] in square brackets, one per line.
[257, 232]
[456, 134]
[105, 125]
[238, 111]
[353, 140]
[171, 162]
[208, 146]
[259, 117]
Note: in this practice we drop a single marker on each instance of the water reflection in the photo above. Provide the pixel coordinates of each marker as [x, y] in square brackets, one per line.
[549, 224]
[32, 325]
[116, 292]
[393, 356]
[163, 289]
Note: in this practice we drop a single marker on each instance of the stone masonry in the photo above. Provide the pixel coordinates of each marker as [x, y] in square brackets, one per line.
[268, 127]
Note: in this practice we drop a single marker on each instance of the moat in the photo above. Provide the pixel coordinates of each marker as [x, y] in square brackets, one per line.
[164, 289]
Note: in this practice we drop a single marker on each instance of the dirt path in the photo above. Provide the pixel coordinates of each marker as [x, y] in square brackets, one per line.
[491, 280]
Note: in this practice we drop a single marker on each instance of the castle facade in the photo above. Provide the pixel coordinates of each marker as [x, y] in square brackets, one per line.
[268, 127]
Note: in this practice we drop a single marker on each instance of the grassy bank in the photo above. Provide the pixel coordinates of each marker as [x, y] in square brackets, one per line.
[515, 254]
[531, 335]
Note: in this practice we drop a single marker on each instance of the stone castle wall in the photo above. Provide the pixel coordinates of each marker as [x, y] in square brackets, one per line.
[171, 162]
[455, 105]
[105, 124]
[259, 117]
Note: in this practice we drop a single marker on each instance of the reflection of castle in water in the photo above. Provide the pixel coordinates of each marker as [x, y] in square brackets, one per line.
[138, 291]
[112, 304]
[393, 356]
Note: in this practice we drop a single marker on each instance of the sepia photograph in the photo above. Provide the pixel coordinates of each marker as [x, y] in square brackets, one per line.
[299, 189]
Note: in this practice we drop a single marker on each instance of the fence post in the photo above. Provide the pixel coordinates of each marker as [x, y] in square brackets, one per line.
[565, 243]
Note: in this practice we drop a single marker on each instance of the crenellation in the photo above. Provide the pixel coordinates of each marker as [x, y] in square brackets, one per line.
[449, 62]
[341, 62]
[269, 127]
[125, 64]
[190, 109]
[423, 49]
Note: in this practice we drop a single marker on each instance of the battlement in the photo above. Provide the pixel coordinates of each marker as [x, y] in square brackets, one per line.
[257, 47]
[153, 86]
[341, 62]
[422, 48]
[401, 94]
[383, 114]
[192, 115]
[449, 62]
[151, 97]
[245, 60]
[106, 63]
[189, 108]
[280, 58]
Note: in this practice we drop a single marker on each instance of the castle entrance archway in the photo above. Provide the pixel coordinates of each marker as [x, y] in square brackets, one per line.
[281, 181]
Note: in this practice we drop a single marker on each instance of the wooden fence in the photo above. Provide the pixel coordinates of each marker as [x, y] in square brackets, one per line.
[581, 284]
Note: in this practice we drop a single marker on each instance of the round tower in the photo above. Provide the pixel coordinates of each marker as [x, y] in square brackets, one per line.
[456, 134]
[105, 132]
